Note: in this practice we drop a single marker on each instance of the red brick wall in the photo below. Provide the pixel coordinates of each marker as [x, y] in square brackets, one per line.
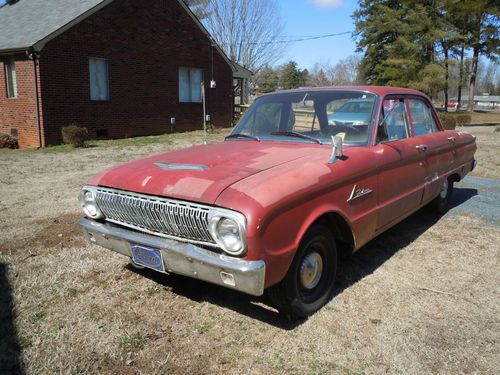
[20, 113]
[145, 43]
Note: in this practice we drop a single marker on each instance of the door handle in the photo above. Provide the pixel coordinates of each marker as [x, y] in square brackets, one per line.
[422, 148]
[452, 139]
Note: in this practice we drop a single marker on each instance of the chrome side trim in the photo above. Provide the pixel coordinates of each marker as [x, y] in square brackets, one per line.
[358, 193]
[182, 258]
[180, 167]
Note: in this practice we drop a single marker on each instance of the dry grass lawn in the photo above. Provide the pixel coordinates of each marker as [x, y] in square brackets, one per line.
[422, 298]
[491, 117]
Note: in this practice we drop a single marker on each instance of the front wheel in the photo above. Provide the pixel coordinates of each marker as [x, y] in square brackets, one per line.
[308, 284]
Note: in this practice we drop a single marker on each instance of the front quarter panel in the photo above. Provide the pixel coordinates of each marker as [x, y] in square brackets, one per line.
[281, 203]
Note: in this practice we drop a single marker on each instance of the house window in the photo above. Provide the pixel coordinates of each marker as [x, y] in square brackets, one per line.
[99, 82]
[190, 80]
[10, 77]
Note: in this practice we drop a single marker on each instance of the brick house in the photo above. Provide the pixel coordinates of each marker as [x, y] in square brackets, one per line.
[120, 68]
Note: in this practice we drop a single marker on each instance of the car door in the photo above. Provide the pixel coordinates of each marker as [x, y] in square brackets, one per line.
[401, 173]
[435, 145]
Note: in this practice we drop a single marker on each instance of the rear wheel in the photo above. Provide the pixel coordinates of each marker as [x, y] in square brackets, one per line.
[441, 203]
[308, 284]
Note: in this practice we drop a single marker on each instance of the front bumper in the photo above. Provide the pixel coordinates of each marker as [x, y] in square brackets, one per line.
[182, 258]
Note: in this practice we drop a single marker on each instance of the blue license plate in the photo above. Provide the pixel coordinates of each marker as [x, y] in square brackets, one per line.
[147, 257]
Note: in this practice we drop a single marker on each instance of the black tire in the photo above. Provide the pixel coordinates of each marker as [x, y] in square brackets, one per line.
[308, 285]
[135, 265]
[441, 204]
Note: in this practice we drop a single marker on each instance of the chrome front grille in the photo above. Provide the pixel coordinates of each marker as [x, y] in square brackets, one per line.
[170, 218]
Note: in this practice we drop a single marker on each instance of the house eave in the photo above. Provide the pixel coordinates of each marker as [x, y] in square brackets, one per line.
[10, 51]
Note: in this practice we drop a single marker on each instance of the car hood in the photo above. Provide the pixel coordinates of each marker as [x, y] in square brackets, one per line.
[200, 173]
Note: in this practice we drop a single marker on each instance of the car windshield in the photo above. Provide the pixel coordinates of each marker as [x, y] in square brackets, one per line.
[308, 116]
[355, 106]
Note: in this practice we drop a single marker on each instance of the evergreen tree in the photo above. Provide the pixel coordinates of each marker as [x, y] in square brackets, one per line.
[267, 79]
[480, 22]
[399, 42]
[292, 77]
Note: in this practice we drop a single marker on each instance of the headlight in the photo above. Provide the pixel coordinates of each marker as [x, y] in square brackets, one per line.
[88, 203]
[228, 230]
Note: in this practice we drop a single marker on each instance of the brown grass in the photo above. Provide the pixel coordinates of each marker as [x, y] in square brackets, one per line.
[422, 298]
[492, 117]
[488, 150]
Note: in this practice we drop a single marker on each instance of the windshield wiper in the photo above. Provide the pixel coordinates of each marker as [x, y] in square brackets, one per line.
[241, 135]
[298, 135]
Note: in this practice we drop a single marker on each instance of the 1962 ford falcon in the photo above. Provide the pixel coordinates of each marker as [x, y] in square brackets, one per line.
[270, 208]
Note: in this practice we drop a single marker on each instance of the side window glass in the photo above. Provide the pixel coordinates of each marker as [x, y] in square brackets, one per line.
[421, 116]
[395, 123]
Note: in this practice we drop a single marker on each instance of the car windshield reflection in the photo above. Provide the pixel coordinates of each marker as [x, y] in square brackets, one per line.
[308, 116]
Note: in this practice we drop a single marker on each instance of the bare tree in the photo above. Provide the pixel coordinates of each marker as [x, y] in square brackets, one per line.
[317, 76]
[247, 30]
[345, 72]
[486, 75]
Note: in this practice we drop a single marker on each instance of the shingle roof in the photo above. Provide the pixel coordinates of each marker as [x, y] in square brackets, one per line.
[31, 23]
[24, 23]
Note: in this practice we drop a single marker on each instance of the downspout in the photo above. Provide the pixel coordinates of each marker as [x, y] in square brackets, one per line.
[35, 56]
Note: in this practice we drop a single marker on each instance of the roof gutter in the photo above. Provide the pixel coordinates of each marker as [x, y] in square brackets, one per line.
[35, 57]
[10, 51]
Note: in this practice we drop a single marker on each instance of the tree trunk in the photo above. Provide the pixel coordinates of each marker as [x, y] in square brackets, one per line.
[447, 77]
[461, 77]
[472, 84]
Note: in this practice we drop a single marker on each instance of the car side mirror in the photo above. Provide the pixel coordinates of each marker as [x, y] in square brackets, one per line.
[337, 149]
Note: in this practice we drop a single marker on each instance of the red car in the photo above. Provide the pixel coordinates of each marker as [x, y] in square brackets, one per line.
[270, 208]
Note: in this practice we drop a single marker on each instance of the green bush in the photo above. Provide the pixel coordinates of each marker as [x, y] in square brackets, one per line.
[8, 141]
[75, 135]
[463, 119]
[448, 120]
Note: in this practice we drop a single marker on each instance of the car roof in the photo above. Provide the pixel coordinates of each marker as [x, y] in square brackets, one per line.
[379, 90]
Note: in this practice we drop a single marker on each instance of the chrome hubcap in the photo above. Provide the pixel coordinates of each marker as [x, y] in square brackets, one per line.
[444, 189]
[311, 270]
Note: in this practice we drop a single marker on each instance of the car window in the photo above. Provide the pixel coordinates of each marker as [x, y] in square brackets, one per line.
[421, 115]
[266, 118]
[308, 116]
[303, 117]
[395, 123]
[356, 106]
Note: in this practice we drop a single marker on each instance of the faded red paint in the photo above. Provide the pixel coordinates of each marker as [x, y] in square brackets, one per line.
[284, 187]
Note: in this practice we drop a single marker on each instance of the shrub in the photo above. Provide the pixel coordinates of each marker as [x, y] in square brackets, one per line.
[75, 135]
[448, 120]
[463, 119]
[8, 141]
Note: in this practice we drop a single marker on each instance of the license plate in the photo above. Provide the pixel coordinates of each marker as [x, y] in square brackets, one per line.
[147, 257]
